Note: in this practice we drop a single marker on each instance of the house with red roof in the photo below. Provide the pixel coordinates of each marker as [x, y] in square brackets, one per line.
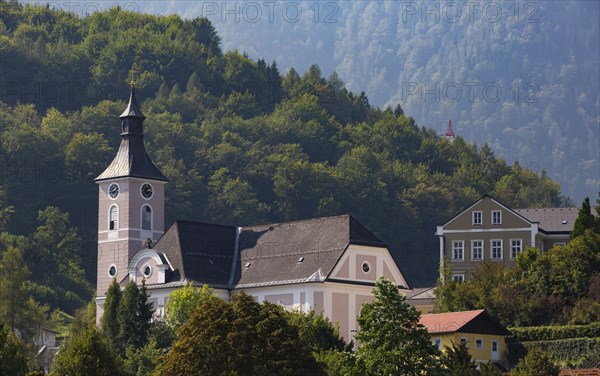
[483, 335]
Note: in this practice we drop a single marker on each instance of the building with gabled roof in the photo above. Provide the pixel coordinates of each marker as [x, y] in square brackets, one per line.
[490, 230]
[483, 335]
[327, 264]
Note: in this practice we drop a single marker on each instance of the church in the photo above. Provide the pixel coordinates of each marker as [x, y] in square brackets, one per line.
[328, 265]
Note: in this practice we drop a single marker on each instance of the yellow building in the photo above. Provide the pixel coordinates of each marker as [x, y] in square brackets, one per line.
[485, 336]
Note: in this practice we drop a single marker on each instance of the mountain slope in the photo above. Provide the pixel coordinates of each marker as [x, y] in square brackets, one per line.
[520, 76]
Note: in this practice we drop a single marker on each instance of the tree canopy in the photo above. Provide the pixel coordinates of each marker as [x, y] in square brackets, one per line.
[392, 342]
[239, 337]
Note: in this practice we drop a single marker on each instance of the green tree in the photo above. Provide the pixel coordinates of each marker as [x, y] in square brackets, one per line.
[145, 310]
[141, 361]
[53, 257]
[585, 219]
[587, 308]
[84, 319]
[13, 353]
[458, 361]
[536, 363]
[87, 354]
[489, 369]
[392, 342]
[266, 343]
[240, 337]
[201, 347]
[133, 316]
[18, 309]
[183, 301]
[317, 332]
[5, 210]
[109, 321]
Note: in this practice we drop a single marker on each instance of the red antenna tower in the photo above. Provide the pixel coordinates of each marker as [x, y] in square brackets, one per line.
[450, 131]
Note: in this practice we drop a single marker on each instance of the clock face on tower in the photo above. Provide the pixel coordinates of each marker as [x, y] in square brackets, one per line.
[113, 191]
[146, 190]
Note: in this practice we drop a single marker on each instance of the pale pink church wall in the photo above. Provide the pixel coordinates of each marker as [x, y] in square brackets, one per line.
[117, 253]
[344, 271]
[319, 307]
[286, 300]
[388, 274]
[339, 312]
[139, 275]
[372, 260]
[360, 300]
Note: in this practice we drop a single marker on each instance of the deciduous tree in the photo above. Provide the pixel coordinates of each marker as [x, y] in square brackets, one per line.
[183, 301]
[392, 342]
[536, 363]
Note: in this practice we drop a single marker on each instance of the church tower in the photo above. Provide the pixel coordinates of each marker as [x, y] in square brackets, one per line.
[131, 203]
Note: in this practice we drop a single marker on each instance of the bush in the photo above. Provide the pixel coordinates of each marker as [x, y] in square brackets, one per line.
[569, 352]
[548, 333]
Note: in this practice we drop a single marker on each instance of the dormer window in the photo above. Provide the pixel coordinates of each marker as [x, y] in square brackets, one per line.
[147, 271]
[113, 222]
[496, 217]
[477, 218]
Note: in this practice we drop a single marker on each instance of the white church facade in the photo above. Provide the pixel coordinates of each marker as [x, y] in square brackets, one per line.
[327, 264]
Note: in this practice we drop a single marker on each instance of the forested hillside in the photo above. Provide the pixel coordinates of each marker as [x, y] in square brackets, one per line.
[240, 142]
[521, 76]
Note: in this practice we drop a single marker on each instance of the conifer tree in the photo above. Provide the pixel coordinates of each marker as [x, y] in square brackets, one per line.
[134, 316]
[144, 312]
[13, 353]
[163, 91]
[109, 322]
[126, 316]
[585, 219]
[194, 85]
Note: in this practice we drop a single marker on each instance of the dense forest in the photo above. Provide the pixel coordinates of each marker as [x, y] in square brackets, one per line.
[521, 76]
[241, 143]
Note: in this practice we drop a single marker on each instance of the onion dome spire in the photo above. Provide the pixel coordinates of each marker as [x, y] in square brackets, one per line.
[131, 159]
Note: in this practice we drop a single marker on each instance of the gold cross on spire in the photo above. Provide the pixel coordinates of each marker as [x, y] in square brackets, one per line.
[132, 71]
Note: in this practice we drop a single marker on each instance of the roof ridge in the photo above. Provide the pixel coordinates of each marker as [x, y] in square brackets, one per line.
[300, 220]
[203, 223]
[549, 208]
[456, 312]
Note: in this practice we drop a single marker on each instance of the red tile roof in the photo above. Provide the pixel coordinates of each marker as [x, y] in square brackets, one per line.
[448, 322]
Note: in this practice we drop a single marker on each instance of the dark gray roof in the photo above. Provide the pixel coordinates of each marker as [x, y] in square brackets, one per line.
[200, 252]
[132, 110]
[296, 251]
[131, 159]
[551, 219]
[273, 254]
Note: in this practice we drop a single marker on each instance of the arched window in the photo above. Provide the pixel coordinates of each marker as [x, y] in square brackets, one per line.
[146, 218]
[113, 221]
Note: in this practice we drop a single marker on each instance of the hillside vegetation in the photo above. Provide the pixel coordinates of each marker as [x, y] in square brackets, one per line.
[240, 142]
[521, 76]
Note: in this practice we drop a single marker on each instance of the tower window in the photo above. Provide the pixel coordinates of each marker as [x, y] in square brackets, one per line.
[112, 271]
[113, 223]
[146, 218]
